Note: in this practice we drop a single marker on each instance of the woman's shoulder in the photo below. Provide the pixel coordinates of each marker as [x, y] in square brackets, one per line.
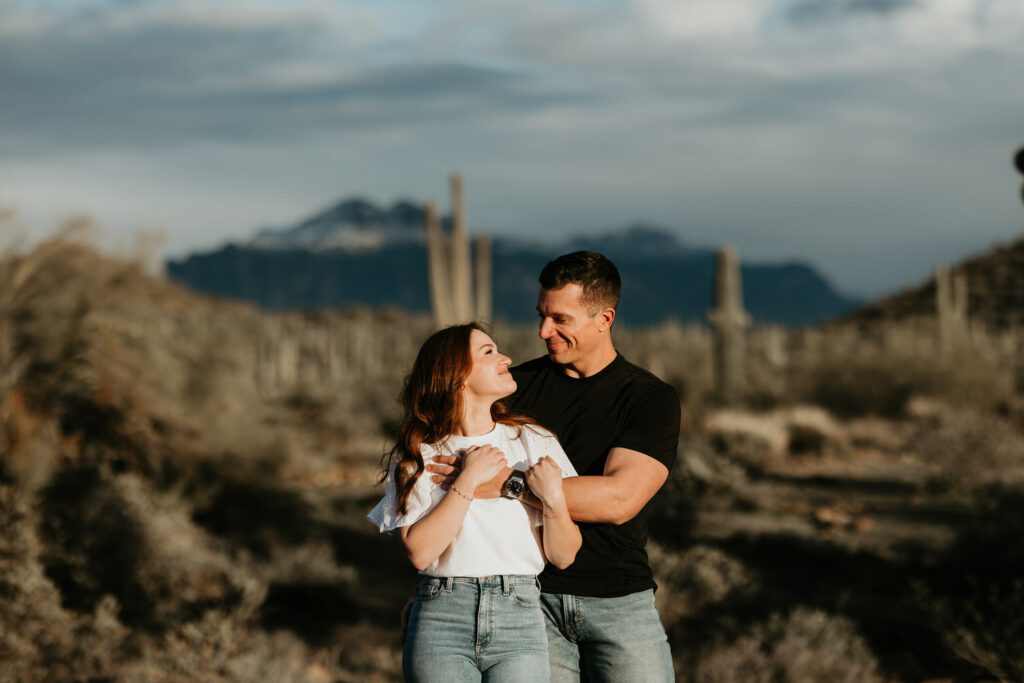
[535, 432]
[429, 450]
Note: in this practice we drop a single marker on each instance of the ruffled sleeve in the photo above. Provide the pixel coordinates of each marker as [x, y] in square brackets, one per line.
[543, 442]
[424, 496]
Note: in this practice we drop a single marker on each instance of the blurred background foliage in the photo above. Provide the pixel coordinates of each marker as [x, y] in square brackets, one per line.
[183, 484]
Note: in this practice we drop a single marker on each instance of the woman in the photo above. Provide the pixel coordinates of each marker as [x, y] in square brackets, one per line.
[477, 612]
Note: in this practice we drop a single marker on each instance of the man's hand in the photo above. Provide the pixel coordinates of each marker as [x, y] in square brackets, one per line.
[446, 468]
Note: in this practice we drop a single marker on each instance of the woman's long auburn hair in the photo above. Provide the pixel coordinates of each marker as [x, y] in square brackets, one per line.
[433, 403]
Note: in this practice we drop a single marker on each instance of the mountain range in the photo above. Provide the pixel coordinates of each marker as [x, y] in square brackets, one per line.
[358, 253]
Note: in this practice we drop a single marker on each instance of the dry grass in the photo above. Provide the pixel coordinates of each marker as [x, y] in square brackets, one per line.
[804, 646]
[173, 508]
[136, 450]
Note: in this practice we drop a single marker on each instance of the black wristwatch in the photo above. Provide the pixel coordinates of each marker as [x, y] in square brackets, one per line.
[514, 486]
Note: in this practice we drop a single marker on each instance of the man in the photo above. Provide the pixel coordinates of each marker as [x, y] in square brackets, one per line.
[619, 425]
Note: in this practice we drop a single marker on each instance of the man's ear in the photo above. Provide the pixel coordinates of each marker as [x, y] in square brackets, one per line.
[607, 318]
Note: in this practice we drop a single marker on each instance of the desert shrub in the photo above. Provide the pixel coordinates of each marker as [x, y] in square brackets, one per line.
[747, 439]
[968, 449]
[156, 517]
[976, 588]
[245, 501]
[700, 467]
[857, 374]
[691, 580]
[113, 535]
[39, 639]
[866, 386]
[93, 546]
[227, 648]
[804, 646]
[742, 660]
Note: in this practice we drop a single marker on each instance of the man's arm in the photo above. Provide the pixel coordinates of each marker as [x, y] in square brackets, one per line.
[630, 480]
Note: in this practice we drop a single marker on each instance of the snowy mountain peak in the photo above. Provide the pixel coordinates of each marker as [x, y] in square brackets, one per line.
[355, 224]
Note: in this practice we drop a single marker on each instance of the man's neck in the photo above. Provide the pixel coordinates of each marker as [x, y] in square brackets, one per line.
[592, 364]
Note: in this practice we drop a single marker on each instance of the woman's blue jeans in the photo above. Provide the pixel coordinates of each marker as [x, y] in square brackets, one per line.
[476, 629]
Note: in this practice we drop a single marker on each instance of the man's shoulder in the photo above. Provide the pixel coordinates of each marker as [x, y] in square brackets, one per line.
[644, 379]
[539, 364]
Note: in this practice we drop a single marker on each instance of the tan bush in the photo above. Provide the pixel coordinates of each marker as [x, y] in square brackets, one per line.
[690, 581]
[805, 646]
[39, 639]
[967, 449]
[855, 373]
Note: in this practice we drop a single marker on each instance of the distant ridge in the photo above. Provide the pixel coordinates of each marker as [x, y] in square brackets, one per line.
[356, 252]
[995, 292]
[353, 225]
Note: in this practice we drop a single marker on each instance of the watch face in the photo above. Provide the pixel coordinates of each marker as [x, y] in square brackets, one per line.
[514, 487]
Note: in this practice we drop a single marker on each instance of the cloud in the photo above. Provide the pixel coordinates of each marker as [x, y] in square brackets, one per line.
[812, 11]
[775, 124]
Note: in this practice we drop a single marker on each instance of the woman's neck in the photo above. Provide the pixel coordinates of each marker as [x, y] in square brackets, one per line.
[476, 420]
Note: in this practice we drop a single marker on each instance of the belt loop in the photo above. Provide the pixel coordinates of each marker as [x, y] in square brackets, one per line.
[448, 581]
[506, 584]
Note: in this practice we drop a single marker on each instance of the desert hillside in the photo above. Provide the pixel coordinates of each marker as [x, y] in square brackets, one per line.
[995, 291]
[183, 482]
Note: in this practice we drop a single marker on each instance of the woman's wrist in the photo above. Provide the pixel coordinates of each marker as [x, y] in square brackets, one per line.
[466, 483]
[460, 493]
[555, 506]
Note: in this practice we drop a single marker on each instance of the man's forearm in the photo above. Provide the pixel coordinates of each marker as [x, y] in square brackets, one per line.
[591, 499]
[597, 499]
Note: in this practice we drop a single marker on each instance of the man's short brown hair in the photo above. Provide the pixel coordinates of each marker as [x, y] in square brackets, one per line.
[595, 274]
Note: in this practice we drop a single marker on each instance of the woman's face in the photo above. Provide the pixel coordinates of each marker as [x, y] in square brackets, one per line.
[489, 377]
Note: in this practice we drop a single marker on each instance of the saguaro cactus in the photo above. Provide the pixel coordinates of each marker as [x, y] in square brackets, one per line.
[438, 259]
[483, 277]
[461, 276]
[451, 275]
[728, 323]
[950, 306]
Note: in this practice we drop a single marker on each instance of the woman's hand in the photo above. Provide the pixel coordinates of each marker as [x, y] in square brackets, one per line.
[445, 468]
[479, 464]
[562, 539]
[545, 480]
[427, 539]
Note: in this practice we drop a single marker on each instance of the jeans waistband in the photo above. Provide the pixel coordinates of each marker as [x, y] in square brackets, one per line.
[503, 581]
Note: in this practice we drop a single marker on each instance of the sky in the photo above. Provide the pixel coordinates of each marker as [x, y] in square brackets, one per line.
[869, 138]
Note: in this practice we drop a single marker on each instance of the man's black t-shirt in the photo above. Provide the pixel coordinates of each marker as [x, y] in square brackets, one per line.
[622, 405]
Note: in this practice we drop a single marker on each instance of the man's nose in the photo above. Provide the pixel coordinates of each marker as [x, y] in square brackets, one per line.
[547, 328]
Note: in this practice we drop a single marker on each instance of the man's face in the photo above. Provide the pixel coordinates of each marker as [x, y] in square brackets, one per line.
[566, 326]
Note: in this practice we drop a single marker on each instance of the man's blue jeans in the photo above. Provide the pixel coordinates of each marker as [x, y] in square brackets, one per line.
[618, 640]
[467, 629]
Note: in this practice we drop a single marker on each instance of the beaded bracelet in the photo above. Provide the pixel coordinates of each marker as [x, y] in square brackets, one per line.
[461, 493]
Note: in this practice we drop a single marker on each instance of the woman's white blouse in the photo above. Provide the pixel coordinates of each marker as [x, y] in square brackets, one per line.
[498, 536]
